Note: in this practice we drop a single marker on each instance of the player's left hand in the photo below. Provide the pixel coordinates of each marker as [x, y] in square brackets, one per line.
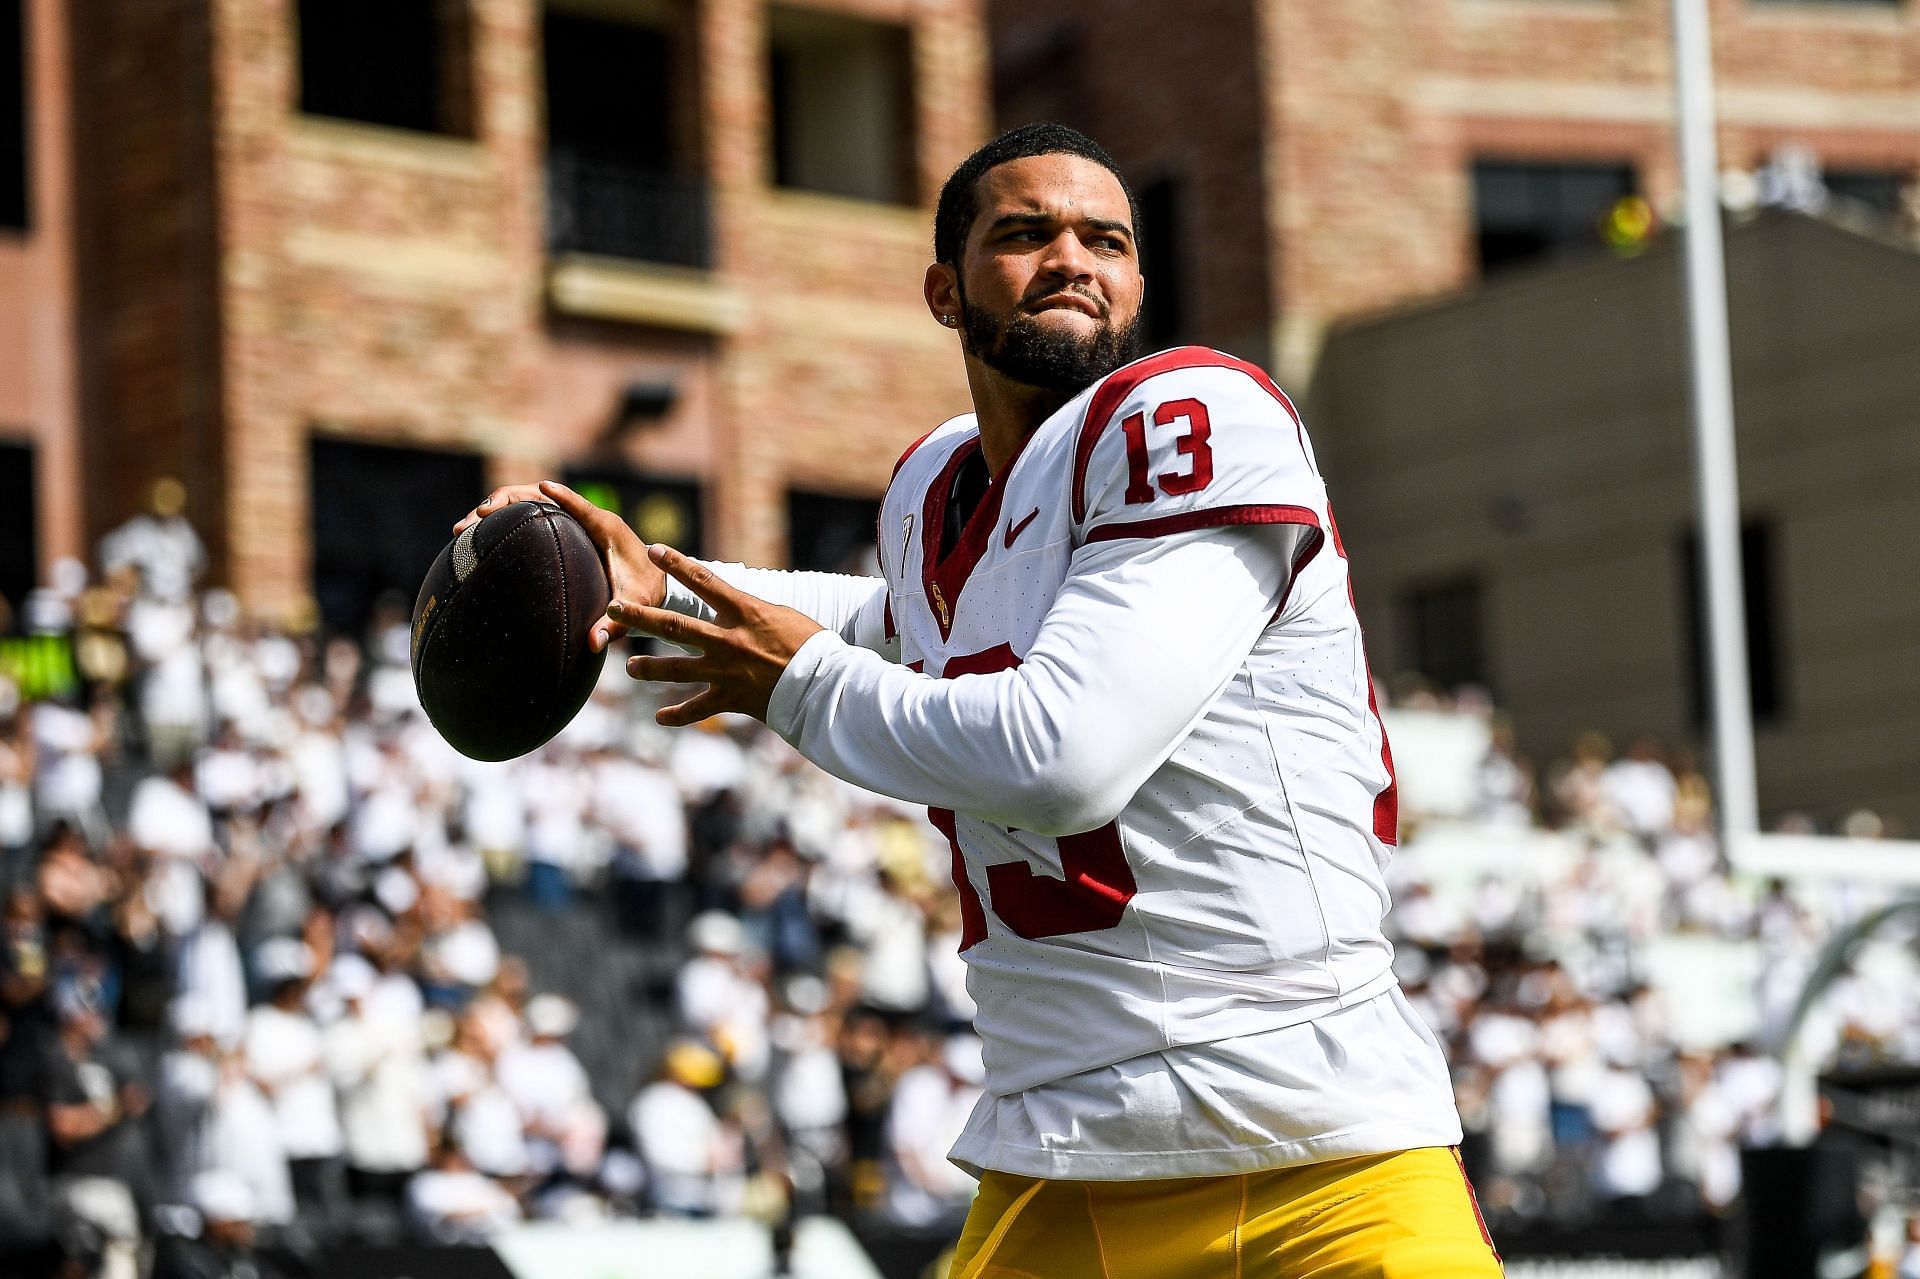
[742, 652]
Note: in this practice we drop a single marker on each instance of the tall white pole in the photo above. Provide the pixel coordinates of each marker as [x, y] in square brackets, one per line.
[1716, 475]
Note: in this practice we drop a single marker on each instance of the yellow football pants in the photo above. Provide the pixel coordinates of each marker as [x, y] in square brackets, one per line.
[1409, 1215]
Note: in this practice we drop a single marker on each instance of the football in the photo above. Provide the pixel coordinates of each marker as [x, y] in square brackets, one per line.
[500, 653]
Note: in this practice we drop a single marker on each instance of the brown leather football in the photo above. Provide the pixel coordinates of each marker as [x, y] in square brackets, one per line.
[500, 655]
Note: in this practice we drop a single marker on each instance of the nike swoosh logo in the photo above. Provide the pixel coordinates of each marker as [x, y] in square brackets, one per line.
[1015, 530]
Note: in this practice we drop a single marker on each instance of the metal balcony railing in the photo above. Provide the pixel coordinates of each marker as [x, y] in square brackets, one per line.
[617, 210]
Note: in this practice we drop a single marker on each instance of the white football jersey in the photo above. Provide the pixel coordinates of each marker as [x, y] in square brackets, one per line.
[1240, 889]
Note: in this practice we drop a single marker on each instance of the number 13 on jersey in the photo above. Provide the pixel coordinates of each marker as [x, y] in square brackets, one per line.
[1097, 883]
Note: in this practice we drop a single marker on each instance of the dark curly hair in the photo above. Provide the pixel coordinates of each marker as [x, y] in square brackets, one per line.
[960, 197]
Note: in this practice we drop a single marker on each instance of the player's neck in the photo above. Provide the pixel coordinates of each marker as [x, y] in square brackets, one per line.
[1007, 412]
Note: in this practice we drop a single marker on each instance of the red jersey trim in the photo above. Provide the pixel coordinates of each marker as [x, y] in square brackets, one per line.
[945, 577]
[1226, 517]
[1211, 517]
[1122, 383]
[910, 450]
[1473, 1199]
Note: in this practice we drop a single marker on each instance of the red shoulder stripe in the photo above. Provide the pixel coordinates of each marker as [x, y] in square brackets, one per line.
[910, 448]
[1120, 384]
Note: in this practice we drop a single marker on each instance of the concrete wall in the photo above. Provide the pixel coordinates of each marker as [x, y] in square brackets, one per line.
[1536, 435]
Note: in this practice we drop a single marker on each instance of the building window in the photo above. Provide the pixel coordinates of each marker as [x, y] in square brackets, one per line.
[1162, 235]
[400, 63]
[1441, 632]
[19, 565]
[623, 172]
[1880, 191]
[831, 534]
[658, 508]
[842, 96]
[1766, 669]
[1527, 212]
[380, 516]
[13, 115]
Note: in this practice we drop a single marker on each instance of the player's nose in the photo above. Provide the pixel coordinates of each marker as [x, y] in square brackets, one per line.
[1067, 258]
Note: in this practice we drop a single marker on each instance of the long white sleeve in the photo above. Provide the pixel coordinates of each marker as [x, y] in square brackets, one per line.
[853, 607]
[1141, 639]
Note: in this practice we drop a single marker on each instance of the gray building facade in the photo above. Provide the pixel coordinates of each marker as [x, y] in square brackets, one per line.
[1513, 476]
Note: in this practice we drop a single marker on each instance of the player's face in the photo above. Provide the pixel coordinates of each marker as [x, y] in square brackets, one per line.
[1049, 282]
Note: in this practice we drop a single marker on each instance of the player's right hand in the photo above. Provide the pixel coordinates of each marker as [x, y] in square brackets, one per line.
[630, 573]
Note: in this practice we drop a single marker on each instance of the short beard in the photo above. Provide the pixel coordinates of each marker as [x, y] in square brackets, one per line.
[1017, 347]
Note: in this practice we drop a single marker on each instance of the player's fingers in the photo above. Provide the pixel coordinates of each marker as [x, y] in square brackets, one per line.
[696, 708]
[605, 632]
[505, 495]
[670, 670]
[675, 628]
[698, 578]
[584, 512]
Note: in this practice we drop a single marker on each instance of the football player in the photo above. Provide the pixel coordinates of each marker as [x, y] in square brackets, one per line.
[1115, 653]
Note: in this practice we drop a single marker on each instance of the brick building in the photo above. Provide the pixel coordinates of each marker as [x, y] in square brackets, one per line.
[342, 264]
[1313, 161]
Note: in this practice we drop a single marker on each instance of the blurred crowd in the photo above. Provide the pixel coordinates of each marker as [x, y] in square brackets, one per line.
[1582, 1093]
[254, 996]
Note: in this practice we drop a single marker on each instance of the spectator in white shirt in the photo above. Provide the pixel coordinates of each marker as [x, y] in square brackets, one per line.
[808, 1094]
[639, 805]
[452, 1203]
[167, 816]
[208, 968]
[285, 1056]
[159, 543]
[68, 742]
[377, 1065]
[1640, 789]
[1628, 1168]
[719, 995]
[548, 1085]
[693, 1158]
[931, 1104]
[480, 1117]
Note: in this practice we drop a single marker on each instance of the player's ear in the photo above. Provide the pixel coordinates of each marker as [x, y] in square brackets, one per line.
[942, 289]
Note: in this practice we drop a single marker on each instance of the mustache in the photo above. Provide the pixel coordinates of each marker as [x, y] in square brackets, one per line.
[1032, 303]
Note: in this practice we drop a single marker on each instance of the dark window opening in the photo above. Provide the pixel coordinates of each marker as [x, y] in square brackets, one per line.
[658, 508]
[380, 516]
[19, 545]
[1441, 631]
[622, 174]
[14, 116]
[842, 95]
[405, 64]
[1162, 233]
[831, 534]
[1528, 212]
[1880, 191]
[1766, 668]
